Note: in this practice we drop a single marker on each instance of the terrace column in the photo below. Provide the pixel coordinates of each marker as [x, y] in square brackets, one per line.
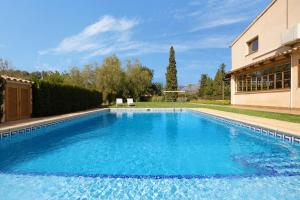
[295, 82]
[233, 89]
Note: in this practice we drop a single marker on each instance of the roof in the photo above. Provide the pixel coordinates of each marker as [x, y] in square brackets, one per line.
[9, 78]
[253, 22]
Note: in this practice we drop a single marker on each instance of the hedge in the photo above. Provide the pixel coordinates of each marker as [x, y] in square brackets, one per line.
[2, 84]
[54, 99]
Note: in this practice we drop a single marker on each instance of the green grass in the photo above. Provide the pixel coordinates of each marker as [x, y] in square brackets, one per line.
[226, 108]
[215, 102]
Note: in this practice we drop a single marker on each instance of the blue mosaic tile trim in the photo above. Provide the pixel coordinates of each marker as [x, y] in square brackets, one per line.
[270, 132]
[146, 110]
[46, 124]
[121, 176]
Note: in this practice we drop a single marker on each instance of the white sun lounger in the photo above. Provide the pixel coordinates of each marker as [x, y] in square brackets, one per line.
[119, 101]
[130, 102]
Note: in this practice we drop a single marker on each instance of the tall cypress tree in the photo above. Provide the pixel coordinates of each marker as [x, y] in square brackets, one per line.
[171, 77]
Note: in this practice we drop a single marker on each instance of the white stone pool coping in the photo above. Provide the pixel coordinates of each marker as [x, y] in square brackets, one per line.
[286, 130]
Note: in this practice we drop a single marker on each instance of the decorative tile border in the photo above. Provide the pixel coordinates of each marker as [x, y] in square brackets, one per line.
[270, 132]
[125, 176]
[34, 127]
[145, 110]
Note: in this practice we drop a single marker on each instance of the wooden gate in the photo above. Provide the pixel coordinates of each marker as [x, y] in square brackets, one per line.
[17, 101]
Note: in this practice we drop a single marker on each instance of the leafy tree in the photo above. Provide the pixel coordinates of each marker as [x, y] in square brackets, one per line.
[209, 90]
[4, 65]
[88, 77]
[110, 78]
[53, 77]
[202, 85]
[213, 88]
[156, 89]
[35, 76]
[138, 79]
[73, 77]
[171, 77]
[218, 81]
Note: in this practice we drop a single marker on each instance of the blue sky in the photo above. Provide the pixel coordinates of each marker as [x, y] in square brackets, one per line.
[58, 34]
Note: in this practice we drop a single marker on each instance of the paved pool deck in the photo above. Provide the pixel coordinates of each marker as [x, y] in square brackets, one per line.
[283, 126]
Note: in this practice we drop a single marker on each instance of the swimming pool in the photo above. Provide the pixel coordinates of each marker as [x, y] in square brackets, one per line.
[121, 154]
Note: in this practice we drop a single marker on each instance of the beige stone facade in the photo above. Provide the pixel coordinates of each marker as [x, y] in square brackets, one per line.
[266, 59]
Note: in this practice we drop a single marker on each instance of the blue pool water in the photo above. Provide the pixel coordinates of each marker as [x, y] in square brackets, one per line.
[123, 155]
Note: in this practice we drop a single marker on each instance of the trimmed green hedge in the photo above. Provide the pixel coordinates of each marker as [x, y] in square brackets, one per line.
[54, 99]
[2, 84]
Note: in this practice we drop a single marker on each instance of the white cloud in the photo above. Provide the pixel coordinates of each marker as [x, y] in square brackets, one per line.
[110, 35]
[217, 13]
[218, 23]
[93, 36]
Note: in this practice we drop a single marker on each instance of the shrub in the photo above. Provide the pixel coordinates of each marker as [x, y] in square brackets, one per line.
[53, 99]
[2, 84]
[157, 99]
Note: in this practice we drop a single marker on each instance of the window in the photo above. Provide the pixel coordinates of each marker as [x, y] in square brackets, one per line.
[271, 81]
[287, 79]
[240, 84]
[254, 83]
[248, 83]
[278, 77]
[244, 84]
[253, 45]
[299, 72]
[259, 83]
[265, 82]
[279, 80]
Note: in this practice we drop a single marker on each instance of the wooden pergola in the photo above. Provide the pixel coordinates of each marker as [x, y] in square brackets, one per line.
[176, 91]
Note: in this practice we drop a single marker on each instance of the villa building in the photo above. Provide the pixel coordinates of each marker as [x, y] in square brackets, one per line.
[266, 59]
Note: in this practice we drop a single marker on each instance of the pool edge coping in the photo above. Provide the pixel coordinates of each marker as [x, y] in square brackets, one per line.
[284, 135]
[14, 129]
[48, 121]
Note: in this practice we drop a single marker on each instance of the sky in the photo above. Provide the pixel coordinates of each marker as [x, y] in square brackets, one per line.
[58, 34]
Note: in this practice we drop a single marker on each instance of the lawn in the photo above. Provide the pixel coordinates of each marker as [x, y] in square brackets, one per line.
[226, 108]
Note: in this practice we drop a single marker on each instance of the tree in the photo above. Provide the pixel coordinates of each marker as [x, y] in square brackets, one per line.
[209, 89]
[88, 77]
[202, 85]
[4, 65]
[110, 78]
[53, 77]
[171, 77]
[213, 88]
[74, 78]
[138, 79]
[218, 81]
[156, 89]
